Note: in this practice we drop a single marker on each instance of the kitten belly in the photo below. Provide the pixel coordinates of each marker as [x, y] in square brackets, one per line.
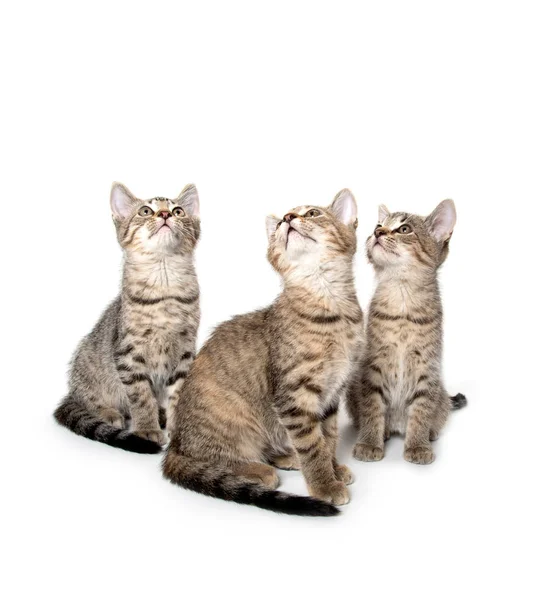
[400, 379]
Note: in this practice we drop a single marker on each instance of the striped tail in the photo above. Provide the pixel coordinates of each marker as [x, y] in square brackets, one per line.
[218, 482]
[74, 415]
[458, 401]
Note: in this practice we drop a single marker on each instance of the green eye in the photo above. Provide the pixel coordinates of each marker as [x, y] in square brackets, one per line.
[178, 212]
[313, 213]
[145, 211]
[404, 229]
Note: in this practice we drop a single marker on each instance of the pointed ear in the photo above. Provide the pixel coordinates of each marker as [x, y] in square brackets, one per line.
[383, 212]
[344, 207]
[442, 220]
[188, 199]
[121, 200]
[271, 223]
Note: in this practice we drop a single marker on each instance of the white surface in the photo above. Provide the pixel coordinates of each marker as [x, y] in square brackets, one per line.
[264, 108]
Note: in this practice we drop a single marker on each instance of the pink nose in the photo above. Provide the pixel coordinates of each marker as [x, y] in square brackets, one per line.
[164, 214]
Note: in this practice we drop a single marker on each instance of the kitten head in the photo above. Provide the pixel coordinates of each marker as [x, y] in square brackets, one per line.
[402, 240]
[158, 225]
[309, 236]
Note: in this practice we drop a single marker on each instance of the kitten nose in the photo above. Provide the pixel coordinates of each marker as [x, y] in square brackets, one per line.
[379, 231]
[289, 217]
[164, 214]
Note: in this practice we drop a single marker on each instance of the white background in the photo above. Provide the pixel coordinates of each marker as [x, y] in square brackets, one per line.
[266, 106]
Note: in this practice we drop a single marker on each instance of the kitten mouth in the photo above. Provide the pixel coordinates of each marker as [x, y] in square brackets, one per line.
[382, 247]
[162, 229]
[378, 246]
[292, 229]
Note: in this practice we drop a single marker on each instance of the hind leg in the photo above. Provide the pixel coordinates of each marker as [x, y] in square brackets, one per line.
[258, 473]
[288, 462]
[441, 415]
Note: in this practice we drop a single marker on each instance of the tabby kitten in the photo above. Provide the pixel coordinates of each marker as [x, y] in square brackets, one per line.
[399, 387]
[134, 361]
[265, 389]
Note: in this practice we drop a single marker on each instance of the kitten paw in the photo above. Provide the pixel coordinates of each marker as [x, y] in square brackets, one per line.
[420, 455]
[287, 463]
[344, 474]
[433, 436]
[335, 493]
[113, 417]
[367, 453]
[261, 473]
[271, 480]
[154, 435]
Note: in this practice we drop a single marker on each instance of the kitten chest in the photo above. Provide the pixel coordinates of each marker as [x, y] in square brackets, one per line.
[341, 354]
[398, 359]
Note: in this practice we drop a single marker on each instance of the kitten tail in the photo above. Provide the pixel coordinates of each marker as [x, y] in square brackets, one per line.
[74, 415]
[458, 401]
[218, 482]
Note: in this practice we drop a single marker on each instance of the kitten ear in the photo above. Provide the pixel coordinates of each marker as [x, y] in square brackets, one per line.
[344, 207]
[188, 199]
[383, 212]
[121, 200]
[271, 223]
[442, 220]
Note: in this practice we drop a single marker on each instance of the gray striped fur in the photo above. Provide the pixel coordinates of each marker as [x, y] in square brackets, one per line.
[126, 373]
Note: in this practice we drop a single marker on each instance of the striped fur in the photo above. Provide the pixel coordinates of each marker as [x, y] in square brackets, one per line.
[265, 388]
[399, 387]
[133, 363]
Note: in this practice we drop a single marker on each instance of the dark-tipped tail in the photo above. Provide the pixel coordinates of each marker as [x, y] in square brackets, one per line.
[458, 401]
[221, 483]
[74, 415]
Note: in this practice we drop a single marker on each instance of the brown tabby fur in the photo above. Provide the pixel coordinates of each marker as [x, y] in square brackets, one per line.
[265, 389]
[399, 387]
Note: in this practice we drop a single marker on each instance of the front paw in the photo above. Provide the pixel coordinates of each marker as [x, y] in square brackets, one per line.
[344, 474]
[335, 493]
[368, 453]
[154, 435]
[419, 455]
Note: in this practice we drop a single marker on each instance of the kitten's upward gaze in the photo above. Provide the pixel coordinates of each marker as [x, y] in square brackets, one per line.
[265, 389]
[133, 363]
[399, 387]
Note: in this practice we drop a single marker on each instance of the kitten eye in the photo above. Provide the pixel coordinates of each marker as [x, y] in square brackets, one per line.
[404, 229]
[145, 211]
[313, 213]
[178, 212]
